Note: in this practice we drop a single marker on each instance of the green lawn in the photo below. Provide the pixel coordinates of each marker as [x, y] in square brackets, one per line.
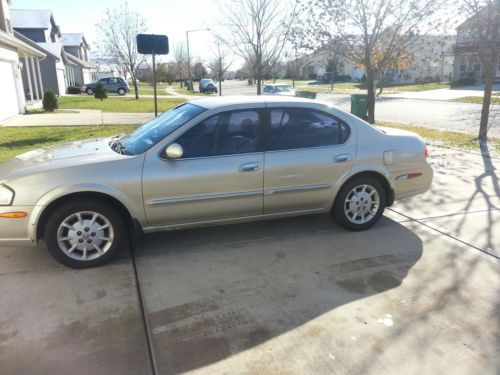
[353, 87]
[16, 140]
[446, 138]
[495, 99]
[146, 89]
[117, 104]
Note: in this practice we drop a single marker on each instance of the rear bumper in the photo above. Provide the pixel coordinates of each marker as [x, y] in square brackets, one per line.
[418, 185]
[16, 232]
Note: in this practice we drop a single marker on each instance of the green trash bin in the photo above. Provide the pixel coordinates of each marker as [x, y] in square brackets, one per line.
[359, 105]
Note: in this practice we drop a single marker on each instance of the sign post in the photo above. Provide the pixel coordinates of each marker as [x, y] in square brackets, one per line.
[150, 44]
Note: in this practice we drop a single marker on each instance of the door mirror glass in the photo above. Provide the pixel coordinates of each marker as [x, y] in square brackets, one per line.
[174, 151]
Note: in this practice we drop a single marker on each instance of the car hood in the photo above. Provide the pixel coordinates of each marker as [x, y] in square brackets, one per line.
[66, 155]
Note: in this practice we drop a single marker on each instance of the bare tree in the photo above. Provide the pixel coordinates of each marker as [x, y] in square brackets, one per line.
[118, 31]
[180, 57]
[481, 37]
[373, 31]
[220, 63]
[257, 31]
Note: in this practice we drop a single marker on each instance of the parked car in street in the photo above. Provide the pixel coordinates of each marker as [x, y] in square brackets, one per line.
[207, 86]
[113, 84]
[279, 89]
[213, 160]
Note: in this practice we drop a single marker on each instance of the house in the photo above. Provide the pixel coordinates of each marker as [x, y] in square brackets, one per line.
[431, 56]
[16, 59]
[38, 28]
[77, 51]
[467, 63]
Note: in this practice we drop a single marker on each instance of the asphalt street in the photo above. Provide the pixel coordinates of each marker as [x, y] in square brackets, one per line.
[436, 114]
[419, 293]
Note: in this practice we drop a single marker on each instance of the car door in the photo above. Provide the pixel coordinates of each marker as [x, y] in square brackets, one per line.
[220, 175]
[112, 84]
[307, 152]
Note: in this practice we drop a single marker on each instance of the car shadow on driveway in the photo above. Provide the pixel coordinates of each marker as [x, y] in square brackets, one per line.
[215, 292]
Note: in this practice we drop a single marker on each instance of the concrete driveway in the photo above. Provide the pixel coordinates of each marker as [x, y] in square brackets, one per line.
[418, 293]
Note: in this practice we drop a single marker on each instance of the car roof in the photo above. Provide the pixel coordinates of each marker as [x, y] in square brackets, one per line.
[221, 101]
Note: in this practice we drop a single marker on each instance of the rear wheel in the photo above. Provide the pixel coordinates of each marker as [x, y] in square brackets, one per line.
[84, 234]
[360, 203]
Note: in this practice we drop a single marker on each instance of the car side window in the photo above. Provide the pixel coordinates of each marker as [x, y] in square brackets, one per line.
[112, 80]
[103, 80]
[268, 89]
[227, 133]
[293, 128]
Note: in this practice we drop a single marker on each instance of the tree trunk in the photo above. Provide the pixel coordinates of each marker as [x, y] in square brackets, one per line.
[134, 81]
[259, 78]
[485, 111]
[371, 96]
[220, 84]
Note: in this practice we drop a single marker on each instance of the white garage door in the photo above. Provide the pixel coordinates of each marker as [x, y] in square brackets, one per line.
[8, 97]
[61, 79]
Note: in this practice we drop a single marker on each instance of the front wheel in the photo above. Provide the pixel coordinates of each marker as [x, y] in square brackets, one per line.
[84, 234]
[360, 203]
[89, 91]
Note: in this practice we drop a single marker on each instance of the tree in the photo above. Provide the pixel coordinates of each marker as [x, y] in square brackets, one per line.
[100, 91]
[375, 32]
[118, 30]
[180, 57]
[219, 63]
[257, 31]
[49, 101]
[199, 70]
[483, 29]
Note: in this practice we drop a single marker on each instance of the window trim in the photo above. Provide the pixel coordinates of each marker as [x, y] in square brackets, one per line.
[268, 129]
[261, 144]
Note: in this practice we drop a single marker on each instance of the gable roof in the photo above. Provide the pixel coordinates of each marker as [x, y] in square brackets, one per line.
[82, 63]
[31, 19]
[73, 39]
[54, 50]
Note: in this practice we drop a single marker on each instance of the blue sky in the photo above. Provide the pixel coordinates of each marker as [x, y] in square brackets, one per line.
[170, 17]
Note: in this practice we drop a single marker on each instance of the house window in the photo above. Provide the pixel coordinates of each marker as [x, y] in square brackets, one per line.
[477, 67]
[463, 68]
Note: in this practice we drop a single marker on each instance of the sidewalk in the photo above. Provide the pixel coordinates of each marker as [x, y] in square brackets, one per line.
[78, 117]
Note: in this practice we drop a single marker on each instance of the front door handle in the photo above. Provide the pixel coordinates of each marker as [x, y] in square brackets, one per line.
[343, 158]
[249, 167]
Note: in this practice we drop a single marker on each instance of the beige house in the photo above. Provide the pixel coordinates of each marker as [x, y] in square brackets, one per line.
[16, 59]
[433, 56]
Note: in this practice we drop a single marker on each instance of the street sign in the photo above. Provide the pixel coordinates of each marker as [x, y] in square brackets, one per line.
[151, 44]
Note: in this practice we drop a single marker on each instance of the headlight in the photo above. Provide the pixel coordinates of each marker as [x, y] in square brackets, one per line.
[6, 195]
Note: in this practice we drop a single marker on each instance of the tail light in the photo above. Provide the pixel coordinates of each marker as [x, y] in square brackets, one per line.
[426, 152]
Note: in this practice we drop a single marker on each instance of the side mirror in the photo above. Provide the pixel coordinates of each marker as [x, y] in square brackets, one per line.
[174, 151]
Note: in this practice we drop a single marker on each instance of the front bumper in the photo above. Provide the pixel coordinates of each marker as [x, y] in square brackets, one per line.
[16, 232]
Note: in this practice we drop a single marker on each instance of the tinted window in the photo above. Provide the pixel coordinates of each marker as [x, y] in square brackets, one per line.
[284, 88]
[227, 133]
[112, 80]
[300, 128]
[268, 89]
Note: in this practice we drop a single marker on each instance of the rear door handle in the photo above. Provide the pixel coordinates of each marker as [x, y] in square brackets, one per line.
[249, 167]
[343, 158]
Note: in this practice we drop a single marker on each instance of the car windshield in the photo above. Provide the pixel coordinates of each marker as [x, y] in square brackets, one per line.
[149, 134]
[284, 88]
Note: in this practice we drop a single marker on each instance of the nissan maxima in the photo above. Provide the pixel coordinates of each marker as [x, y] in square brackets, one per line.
[208, 161]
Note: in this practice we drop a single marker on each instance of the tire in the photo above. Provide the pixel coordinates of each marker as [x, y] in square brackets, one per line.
[89, 91]
[367, 201]
[87, 236]
[121, 91]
